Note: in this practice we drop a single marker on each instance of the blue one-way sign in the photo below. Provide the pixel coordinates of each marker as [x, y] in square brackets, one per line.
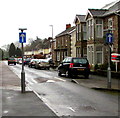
[109, 38]
[22, 37]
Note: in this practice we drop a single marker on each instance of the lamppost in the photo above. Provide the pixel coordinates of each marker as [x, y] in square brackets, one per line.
[51, 41]
[22, 39]
[52, 30]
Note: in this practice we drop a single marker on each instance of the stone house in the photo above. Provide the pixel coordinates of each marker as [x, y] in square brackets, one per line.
[81, 40]
[63, 44]
[99, 22]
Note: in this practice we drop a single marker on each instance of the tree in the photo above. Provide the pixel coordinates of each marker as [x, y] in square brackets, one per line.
[18, 52]
[1, 54]
[12, 50]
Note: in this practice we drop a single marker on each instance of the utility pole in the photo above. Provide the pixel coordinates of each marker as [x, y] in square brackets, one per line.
[22, 39]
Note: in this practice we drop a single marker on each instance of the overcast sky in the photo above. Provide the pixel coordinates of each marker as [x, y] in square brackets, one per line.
[38, 15]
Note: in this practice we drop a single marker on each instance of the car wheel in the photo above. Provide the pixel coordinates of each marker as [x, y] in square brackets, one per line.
[87, 76]
[68, 74]
[14, 63]
[59, 73]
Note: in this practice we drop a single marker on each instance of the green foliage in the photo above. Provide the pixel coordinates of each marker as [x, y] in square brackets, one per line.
[105, 66]
[18, 52]
[37, 44]
[12, 50]
[1, 54]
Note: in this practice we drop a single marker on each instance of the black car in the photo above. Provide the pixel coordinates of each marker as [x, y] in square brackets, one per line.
[72, 66]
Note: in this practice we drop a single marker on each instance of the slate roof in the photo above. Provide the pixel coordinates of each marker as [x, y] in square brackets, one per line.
[67, 31]
[104, 12]
[113, 9]
[97, 12]
[81, 18]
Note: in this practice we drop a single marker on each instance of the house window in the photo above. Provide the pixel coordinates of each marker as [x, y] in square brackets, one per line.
[90, 54]
[110, 24]
[58, 56]
[78, 54]
[99, 55]
[78, 32]
[90, 29]
[99, 28]
[84, 32]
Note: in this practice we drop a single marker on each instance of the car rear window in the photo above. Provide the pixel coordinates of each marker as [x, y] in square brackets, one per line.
[78, 60]
[11, 59]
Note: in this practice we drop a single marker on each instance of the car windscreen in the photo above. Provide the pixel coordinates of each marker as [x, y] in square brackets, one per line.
[81, 61]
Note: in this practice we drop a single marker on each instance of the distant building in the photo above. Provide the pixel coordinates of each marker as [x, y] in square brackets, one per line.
[63, 44]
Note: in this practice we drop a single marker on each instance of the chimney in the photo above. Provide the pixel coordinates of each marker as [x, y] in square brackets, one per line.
[68, 26]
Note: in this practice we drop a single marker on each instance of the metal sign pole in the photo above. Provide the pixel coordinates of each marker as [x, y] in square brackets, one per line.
[109, 68]
[23, 40]
[22, 73]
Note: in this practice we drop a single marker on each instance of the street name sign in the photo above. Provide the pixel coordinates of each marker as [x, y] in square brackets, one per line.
[22, 37]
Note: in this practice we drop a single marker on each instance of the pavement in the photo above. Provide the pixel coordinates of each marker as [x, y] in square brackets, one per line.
[98, 83]
[14, 103]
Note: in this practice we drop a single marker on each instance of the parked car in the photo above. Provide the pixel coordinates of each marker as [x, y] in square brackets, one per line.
[42, 64]
[32, 63]
[11, 60]
[72, 66]
[26, 61]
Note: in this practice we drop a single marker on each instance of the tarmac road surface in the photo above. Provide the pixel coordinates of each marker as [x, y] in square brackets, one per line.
[65, 98]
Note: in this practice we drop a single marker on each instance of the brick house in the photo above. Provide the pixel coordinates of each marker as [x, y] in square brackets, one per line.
[99, 22]
[81, 41]
[63, 44]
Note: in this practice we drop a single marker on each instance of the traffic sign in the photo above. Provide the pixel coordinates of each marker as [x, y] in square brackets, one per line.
[115, 57]
[109, 38]
[22, 37]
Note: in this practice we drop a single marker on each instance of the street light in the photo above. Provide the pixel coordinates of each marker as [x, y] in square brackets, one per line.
[52, 30]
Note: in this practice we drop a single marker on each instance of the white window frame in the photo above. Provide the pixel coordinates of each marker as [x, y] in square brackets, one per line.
[99, 24]
[90, 28]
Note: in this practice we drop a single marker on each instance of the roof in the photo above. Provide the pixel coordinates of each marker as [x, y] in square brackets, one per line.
[112, 8]
[81, 18]
[67, 31]
[97, 12]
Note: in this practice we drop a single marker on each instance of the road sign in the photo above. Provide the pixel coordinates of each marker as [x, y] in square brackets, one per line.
[22, 37]
[115, 57]
[109, 38]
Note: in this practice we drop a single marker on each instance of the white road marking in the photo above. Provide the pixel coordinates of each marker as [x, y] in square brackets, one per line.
[71, 109]
[60, 79]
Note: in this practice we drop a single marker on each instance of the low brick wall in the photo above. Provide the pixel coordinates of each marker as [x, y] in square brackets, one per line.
[104, 73]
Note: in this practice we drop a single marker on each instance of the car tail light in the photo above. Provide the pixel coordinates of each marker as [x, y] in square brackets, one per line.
[89, 66]
[71, 65]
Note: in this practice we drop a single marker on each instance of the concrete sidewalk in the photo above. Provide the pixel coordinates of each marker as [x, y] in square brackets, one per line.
[98, 82]
[15, 103]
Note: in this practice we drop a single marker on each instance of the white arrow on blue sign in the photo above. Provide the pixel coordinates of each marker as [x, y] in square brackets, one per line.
[22, 37]
[109, 38]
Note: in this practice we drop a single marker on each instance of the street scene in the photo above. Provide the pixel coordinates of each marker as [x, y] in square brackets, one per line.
[74, 72]
[60, 95]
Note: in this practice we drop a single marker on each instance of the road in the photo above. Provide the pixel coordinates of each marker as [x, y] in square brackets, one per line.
[66, 98]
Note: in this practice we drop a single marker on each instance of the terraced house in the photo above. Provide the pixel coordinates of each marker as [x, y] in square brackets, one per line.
[99, 22]
[88, 37]
[63, 44]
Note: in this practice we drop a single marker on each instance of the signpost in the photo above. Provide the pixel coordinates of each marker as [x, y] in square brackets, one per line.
[22, 39]
[115, 58]
[109, 41]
